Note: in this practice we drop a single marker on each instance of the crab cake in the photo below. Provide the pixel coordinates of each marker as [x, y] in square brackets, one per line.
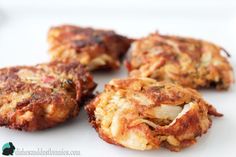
[42, 96]
[189, 62]
[143, 114]
[95, 48]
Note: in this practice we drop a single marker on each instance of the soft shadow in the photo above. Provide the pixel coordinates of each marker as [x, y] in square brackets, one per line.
[3, 17]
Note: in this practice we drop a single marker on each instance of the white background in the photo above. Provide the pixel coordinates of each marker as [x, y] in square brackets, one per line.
[23, 29]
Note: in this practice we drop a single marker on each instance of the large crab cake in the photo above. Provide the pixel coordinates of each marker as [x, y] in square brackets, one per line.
[95, 48]
[143, 114]
[42, 96]
[189, 62]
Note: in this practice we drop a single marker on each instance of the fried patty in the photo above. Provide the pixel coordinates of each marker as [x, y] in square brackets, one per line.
[143, 114]
[42, 96]
[189, 62]
[95, 48]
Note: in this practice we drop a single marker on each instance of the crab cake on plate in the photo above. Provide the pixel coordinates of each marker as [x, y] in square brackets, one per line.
[143, 114]
[95, 48]
[42, 96]
[189, 62]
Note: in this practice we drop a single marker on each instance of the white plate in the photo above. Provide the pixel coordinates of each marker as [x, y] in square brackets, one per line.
[23, 30]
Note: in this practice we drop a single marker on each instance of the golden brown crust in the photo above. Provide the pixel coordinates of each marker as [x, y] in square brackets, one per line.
[95, 48]
[143, 114]
[189, 62]
[42, 96]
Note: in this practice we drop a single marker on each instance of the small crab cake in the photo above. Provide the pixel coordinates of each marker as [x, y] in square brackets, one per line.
[189, 62]
[95, 48]
[143, 114]
[42, 96]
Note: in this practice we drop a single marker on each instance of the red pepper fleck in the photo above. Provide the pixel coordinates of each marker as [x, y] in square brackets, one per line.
[48, 79]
